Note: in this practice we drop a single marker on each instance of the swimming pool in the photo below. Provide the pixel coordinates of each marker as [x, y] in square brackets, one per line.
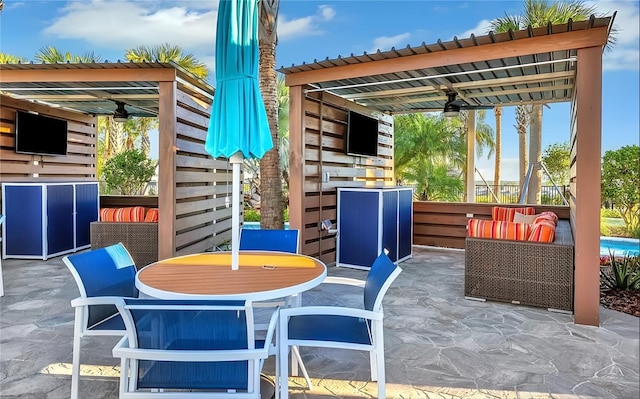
[256, 225]
[619, 246]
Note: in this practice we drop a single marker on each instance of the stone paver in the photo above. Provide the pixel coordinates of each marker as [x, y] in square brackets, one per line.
[437, 344]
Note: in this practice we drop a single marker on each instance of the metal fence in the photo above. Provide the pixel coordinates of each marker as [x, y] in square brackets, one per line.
[510, 194]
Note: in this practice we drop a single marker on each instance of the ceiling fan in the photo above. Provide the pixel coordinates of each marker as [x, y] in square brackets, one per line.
[453, 106]
[120, 114]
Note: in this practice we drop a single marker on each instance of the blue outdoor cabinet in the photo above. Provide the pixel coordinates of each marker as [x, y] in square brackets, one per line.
[47, 219]
[373, 219]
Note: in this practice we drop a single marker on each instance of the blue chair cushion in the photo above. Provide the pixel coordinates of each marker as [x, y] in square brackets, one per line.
[269, 240]
[343, 329]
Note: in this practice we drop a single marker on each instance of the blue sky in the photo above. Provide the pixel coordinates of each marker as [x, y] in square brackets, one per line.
[310, 30]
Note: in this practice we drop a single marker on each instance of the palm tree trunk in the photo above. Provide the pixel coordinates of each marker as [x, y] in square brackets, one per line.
[271, 201]
[535, 155]
[522, 119]
[498, 159]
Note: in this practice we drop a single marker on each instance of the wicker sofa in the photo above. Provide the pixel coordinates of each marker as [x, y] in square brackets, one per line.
[136, 227]
[140, 239]
[522, 272]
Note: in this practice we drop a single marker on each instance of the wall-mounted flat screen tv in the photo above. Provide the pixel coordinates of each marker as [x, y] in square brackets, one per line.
[39, 134]
[362, 135]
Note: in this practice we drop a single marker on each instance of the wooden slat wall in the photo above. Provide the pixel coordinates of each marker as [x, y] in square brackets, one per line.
[444, 224]
[325, 124]
[78, 165]
[202, 184]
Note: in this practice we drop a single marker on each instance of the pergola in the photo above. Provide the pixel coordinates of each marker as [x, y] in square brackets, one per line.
[555, 63]
[549, 64]
[192, 187]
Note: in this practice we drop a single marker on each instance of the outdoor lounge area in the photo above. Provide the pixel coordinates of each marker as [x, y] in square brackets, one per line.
[437, 344]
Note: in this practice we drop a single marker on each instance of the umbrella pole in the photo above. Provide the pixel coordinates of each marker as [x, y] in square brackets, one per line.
[236, 161]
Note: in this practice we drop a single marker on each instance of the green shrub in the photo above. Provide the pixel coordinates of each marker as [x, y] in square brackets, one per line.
[128, 172]
[623, 272]
[609, 213]
[251, 215]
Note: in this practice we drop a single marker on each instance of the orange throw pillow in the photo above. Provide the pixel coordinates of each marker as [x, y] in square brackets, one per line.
[544, 231]
[152, 215]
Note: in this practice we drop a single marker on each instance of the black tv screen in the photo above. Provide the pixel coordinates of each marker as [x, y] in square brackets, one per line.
[362, 135]
[39, 134]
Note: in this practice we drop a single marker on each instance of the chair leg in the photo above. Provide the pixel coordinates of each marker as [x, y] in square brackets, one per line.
[379, 359]
[295, 352]
[283, 356]
[77, 344]
[373, 365]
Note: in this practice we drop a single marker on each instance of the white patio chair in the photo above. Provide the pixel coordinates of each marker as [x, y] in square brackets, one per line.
[103, 276]
[341, 327]
[184, 348]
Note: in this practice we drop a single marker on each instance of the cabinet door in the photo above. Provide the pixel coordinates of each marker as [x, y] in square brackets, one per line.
[359, 226]
[405, 223]
[24, 218]
[60, 221]
[390, 223]
[86, 212]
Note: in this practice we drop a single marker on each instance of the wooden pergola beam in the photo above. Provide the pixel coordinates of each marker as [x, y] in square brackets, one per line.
[88, 75]
[595, 37]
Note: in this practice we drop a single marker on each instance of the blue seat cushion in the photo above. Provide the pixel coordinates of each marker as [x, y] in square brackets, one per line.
[342, 329]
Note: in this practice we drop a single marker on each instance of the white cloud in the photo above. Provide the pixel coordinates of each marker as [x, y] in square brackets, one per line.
[482, 28]
[385, 43]
[327, 12]
[625, 52]
[304, 26]
[133, 23]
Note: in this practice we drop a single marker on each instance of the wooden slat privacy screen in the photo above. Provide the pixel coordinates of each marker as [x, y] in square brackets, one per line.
[326, 166]
[202, 184]
[78, 165]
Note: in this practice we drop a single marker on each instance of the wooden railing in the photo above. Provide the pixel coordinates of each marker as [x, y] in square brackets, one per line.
[444, 224]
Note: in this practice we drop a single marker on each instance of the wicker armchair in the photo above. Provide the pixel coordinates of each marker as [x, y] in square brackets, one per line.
[522, 272]
[140, 239]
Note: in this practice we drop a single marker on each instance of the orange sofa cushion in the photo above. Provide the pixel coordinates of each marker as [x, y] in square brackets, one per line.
[500, 213]
[152, 215]
[131, 214]
[498, 229]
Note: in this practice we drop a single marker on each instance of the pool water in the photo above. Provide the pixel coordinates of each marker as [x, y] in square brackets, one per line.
[256, 225]
[619, 246]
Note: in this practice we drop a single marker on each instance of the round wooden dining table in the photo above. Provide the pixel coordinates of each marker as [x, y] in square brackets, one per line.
[262, 275]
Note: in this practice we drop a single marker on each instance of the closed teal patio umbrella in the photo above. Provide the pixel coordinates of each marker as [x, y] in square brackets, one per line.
[238, 126]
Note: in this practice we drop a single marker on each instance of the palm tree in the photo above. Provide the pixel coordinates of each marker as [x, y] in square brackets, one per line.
[496, 171]
[51, 55]
[539, 13]
[272, 206]
[253, 165]
[168, 53]
[429, 151]
[522, 124]
[484, 138]
[11, 59]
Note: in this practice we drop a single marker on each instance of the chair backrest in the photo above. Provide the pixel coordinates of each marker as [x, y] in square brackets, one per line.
[108, 271]
[269, 240]
[189, 325]
[382, 273]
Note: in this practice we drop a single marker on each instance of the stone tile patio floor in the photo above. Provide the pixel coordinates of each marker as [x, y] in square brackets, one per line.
[438, 344]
